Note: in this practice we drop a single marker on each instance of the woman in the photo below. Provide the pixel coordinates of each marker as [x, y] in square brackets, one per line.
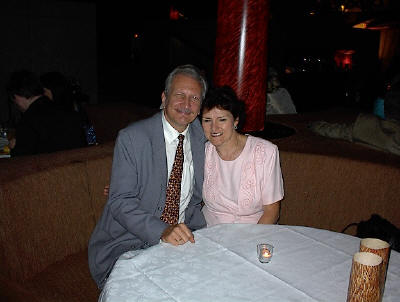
[60, 90]
[242, 176]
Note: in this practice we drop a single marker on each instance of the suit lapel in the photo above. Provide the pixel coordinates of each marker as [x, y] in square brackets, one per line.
[159, 156]
[197, 141]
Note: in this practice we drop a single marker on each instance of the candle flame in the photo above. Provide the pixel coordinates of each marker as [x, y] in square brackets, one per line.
[266, 253]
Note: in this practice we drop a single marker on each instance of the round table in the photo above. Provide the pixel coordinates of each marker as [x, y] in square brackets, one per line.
[308, 264]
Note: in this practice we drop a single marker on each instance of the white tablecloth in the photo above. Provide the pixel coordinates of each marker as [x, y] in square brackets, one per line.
[307, 265]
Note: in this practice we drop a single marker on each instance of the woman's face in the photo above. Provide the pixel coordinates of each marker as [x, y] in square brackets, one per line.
[218, 125]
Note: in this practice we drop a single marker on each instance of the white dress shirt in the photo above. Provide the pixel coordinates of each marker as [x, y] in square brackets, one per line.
[171, 143]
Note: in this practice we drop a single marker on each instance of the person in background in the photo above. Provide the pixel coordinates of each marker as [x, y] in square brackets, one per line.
[140, 210]
[59, 89]
[43, 126]
[279, 100]
[380, 130]
[242, 175]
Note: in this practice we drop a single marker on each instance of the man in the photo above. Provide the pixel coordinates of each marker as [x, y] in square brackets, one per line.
[43, 127]
[136, 213]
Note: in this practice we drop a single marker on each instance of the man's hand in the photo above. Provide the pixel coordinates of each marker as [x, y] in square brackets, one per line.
[12, 142]
[177, 234]
[106, 190]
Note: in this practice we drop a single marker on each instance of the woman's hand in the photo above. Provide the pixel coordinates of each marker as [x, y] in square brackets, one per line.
[271, 213]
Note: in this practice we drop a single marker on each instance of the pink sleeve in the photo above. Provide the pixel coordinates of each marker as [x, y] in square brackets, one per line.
[272, 186]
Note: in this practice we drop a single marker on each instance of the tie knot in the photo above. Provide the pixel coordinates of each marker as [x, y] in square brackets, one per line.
[181, 137]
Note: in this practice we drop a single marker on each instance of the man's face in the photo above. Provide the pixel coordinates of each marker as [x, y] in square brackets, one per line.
[182, 104]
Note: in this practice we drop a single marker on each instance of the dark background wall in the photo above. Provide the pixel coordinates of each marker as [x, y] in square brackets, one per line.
[138, 45]
[123, 50]
[119, 51]
[44, 35]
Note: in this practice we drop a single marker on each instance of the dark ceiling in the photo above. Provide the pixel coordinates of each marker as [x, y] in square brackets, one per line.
[304, 26]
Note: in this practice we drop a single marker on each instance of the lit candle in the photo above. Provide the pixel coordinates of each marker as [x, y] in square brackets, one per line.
[266, 253]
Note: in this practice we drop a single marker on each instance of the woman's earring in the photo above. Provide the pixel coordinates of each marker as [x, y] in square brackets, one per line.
[235, 127]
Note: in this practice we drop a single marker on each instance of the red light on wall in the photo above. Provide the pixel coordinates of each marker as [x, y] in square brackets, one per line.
[344, 59]
[173, 13]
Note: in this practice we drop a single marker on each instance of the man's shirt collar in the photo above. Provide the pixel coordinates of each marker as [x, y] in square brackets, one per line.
[170, 133]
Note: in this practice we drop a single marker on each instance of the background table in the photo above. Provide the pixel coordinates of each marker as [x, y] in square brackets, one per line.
[308, 265]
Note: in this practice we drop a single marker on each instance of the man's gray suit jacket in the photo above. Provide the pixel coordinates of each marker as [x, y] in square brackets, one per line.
[131, 216]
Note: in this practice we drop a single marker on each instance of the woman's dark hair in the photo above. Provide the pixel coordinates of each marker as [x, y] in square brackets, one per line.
[60, 87]
[24, 83]
[225, 98]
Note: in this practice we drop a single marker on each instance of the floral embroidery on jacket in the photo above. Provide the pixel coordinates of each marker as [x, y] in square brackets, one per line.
[209, 176]
[247, 193]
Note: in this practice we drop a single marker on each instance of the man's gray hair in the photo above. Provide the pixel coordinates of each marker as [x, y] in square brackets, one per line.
[188, 70]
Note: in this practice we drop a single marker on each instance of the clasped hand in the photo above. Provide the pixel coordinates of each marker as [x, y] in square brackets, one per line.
[177, 234]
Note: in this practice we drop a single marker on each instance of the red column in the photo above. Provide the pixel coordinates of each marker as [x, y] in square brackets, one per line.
[241, 54]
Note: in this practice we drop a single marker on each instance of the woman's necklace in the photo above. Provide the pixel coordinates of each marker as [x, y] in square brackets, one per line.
[235, 150]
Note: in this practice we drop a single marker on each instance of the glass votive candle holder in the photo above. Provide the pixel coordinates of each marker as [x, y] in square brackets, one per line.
[264, 252]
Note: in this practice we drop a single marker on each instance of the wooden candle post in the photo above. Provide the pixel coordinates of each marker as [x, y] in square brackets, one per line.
[380, 248]
[365, 278]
